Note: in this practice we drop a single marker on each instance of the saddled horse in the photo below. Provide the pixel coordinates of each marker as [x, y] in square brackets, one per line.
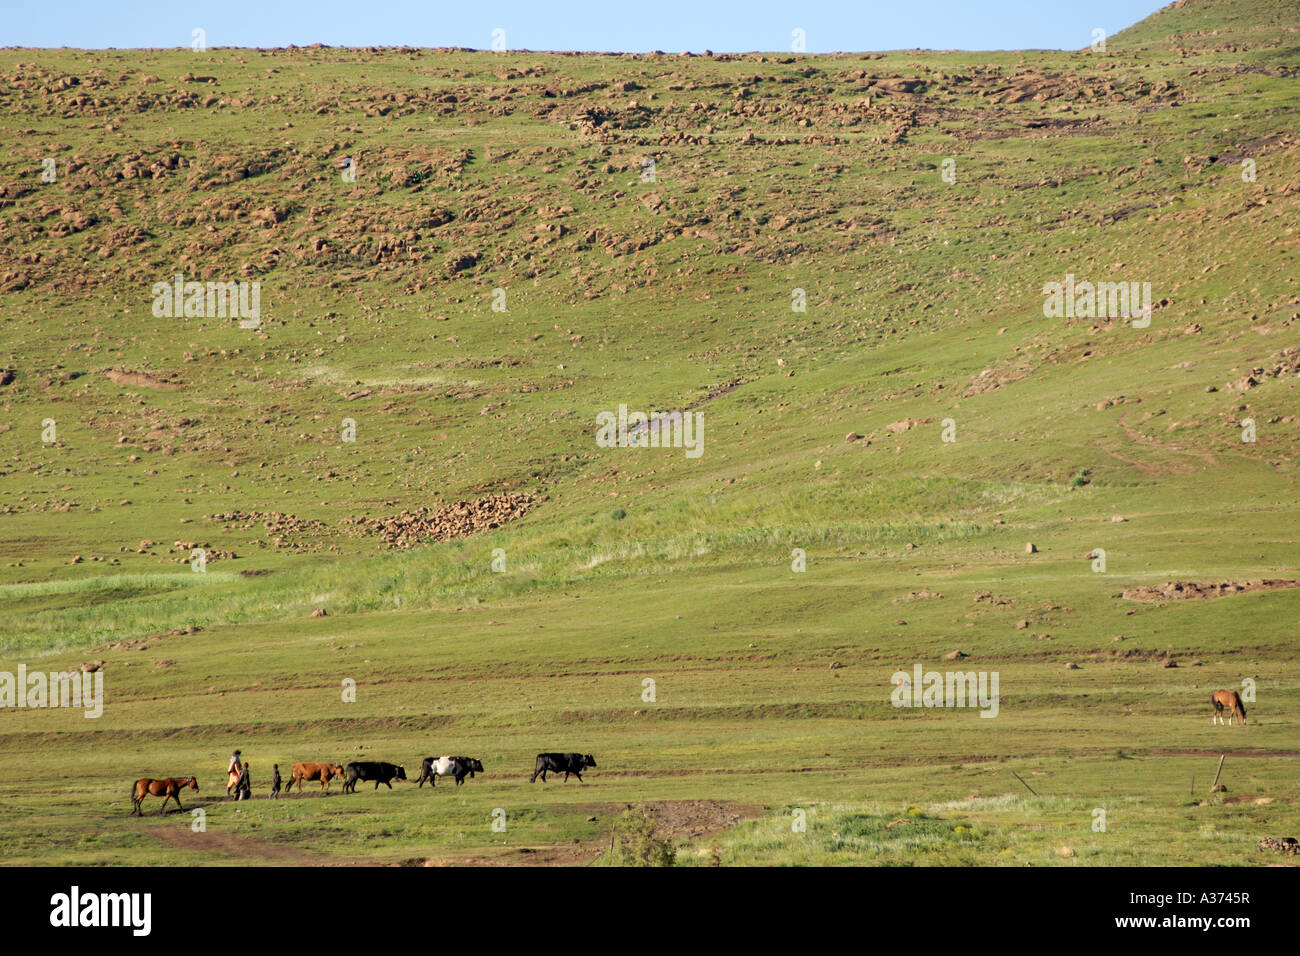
[169, 788]
[1231, 700]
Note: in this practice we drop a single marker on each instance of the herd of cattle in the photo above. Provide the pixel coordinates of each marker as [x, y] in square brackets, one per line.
[458, 768]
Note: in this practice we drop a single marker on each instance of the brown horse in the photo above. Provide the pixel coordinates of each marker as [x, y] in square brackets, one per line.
[168, 788]
[1231, 700]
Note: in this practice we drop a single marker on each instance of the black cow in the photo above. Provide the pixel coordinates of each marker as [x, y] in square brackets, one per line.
[563, 763]
[378, 771]
[458, 767]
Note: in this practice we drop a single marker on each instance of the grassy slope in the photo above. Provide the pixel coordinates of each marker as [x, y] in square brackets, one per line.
[915, 288]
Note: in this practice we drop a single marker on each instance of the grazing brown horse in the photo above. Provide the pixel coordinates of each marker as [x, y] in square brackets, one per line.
[1232, 701]
[168, 788]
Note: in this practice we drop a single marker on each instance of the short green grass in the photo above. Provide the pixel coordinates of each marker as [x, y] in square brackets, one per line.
[646, 564]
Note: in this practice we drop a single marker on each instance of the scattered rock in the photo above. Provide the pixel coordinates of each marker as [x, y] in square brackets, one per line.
[917, 596]
[460, 262]
[907, 424]
[1185, 590]
[283, 530]
[411, 528]
[1286, 362]
[1288, 845]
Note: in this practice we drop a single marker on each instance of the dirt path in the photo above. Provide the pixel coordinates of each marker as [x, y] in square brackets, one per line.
[1215, 752]
[710, 397]
[1140, 438]
[677, 820]
[577, 855]
[244, 849]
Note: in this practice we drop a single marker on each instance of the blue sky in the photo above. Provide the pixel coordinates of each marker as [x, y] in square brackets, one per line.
[624, 25]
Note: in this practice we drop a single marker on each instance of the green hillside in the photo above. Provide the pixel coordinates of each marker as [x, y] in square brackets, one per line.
[839, 263]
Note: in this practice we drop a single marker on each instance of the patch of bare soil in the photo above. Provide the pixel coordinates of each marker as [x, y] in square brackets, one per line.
[676, 820]
[907, 424]
[579, 854]
[143, 379]
[243, 849]
[681, 820]
[1187, 590]
[991, 379]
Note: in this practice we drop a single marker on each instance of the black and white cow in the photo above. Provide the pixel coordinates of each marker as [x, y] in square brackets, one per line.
[563, 763]
[378, 771]
[458, 767]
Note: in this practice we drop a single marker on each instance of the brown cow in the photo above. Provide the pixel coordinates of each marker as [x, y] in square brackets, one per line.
[169, 788]
[1231, 700]
[323, 772]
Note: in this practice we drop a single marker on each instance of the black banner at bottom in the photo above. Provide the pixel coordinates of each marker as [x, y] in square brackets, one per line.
[1078, 903]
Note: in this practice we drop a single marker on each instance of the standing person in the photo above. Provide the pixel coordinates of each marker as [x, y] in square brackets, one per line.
[275, 783]
[244, 789]
[233, 771]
